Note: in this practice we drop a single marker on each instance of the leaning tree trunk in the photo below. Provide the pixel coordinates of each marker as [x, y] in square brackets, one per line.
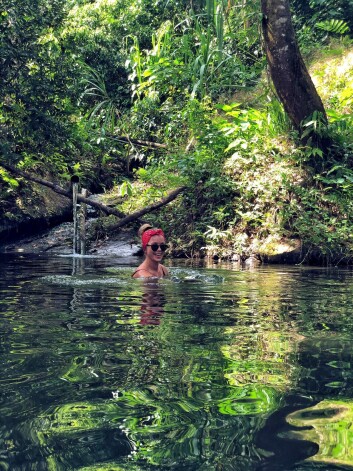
[289, 74]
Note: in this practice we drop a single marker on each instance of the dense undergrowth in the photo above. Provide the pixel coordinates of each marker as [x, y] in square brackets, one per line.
[251, 184]
[141, 97]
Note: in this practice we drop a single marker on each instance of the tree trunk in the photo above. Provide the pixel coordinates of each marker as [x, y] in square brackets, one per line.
[289, 74]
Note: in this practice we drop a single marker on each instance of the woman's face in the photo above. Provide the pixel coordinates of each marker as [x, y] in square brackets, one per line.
[158, 255]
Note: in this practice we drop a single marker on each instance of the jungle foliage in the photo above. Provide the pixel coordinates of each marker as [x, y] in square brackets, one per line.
[83, 82]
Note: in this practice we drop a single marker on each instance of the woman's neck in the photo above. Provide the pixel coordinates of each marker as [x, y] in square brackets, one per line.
[152, 265]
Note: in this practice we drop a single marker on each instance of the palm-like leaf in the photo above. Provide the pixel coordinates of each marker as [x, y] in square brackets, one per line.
[105, 109]
[333, 26]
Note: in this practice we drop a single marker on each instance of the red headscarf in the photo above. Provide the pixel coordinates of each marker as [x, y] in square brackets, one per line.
[145, 238]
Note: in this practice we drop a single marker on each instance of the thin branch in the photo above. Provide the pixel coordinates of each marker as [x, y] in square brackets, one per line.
[137, 142]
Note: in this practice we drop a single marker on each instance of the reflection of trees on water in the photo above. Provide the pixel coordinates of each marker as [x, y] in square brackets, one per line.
[188, 411]
[321, 312]
[52, 358]
[163, 350]
[188, 373]
[326, 376]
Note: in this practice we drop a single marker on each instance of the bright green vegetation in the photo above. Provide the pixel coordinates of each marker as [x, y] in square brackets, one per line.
[85, 74]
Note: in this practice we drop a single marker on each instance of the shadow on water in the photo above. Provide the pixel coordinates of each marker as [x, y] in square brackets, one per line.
[284, 452]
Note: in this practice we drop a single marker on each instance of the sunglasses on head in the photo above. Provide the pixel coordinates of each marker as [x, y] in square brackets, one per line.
[155, 247]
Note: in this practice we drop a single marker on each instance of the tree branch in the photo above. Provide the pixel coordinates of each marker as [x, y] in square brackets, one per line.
[61, 191]
[138, 142]
[148, 209]
[102, 207]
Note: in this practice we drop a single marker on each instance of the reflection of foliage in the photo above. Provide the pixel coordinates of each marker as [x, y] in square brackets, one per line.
[329, 424]
[112, 466]
[250, 399]
[90, 431]
[185, 429]
[267, 364]
[93, 384]
[194, 407]
[79, 416]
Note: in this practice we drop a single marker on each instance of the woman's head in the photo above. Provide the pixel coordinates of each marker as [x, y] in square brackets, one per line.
[153, 242]
[151, 235]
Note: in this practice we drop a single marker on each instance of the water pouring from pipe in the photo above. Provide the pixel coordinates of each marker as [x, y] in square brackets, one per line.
[75, 182]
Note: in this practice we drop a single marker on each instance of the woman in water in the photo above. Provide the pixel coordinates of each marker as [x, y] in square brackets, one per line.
[153, 246]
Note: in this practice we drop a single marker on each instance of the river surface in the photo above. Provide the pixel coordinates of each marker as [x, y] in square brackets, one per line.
[216, 369]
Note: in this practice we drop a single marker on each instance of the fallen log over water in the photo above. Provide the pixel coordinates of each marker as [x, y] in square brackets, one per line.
[125, 219]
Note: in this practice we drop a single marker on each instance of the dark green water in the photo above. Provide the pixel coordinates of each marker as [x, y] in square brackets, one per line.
[214, 369]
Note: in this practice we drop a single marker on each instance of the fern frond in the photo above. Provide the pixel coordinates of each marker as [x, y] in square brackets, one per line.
[333, 26]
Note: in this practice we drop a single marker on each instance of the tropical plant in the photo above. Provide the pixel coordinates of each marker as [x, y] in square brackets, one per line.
[333, 26]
